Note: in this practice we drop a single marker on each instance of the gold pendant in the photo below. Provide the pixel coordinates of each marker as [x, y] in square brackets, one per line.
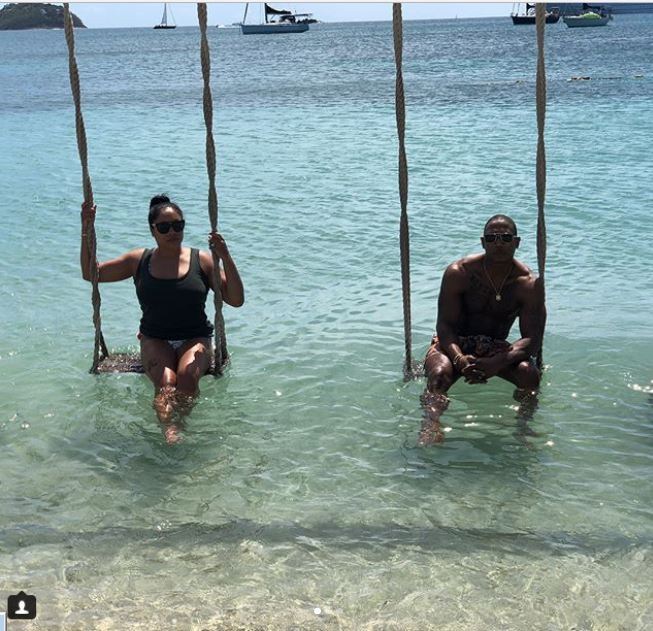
[498, 297]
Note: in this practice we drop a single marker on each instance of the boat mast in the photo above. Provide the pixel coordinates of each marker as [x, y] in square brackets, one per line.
[164, 19]
[245, 16]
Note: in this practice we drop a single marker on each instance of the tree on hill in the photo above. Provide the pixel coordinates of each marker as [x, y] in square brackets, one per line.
[15, 16]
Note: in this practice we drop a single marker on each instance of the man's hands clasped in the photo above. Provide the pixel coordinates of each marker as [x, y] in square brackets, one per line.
[479, 369]
[467, 365]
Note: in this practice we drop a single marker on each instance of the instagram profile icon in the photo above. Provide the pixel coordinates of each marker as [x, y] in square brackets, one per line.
[21, 606]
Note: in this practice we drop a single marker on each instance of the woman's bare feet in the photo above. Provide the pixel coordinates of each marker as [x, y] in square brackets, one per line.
[165, 406]
[171, 407]
[163, 403]
[185, 403]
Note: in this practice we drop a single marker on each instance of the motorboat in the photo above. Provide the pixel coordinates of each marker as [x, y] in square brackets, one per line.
[585, 19]
[591, 16]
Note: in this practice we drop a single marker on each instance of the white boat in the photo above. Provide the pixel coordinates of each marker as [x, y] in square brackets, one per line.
[277, 21]
[164, 19]
[586, 19]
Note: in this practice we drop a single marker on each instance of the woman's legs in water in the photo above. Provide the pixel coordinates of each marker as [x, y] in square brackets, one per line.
[175, 375]
[159, 361]
[160, 364]
[194, 361]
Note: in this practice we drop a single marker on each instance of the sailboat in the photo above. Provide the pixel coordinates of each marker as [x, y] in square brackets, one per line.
[591, 16]
[529, 17]
[164, 19]
[277, 21]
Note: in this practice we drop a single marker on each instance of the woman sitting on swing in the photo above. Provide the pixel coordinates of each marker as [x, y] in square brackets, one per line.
[172, 283]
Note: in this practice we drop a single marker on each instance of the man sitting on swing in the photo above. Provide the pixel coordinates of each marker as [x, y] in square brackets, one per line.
[481, 296]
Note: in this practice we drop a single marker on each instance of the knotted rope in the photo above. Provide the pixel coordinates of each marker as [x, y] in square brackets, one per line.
[404, 238]
[87, 188]
[540, 91]
[220, 339]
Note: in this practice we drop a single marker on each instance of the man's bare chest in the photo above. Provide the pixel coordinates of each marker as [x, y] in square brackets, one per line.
[482, 298]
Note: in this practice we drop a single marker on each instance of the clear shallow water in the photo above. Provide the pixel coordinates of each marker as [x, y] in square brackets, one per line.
[299, 484]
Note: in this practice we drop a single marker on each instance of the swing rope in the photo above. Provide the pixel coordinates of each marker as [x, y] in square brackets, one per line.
[221, 353]
[125, 362]
[404, 236]
[540, 91]
[220, 349]
[99, 345]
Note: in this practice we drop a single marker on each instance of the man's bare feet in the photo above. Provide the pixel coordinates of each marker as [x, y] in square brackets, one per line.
[172, 434]
[430, 435]
[434, 403]
[528, 403]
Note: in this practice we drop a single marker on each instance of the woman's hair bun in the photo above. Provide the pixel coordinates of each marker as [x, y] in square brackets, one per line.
[158, 204]
[159, 199]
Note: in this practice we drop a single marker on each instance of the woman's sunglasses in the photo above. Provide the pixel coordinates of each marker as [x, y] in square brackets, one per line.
[164, 226]
[506, 237]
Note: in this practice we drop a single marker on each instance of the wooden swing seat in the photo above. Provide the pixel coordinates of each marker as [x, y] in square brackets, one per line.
[131, 363]
[121, 363]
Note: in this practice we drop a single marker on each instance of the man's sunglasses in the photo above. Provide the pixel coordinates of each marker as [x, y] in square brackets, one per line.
[506, 237]
[164, 226]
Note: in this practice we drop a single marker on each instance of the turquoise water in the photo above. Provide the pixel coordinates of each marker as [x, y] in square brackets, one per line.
[300, 484]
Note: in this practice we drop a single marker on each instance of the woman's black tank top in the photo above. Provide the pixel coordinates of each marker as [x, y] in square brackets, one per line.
[173, 308]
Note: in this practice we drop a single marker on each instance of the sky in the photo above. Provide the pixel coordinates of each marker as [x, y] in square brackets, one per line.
[126, 14]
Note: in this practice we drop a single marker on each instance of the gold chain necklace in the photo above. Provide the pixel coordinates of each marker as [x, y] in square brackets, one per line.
[497, 292]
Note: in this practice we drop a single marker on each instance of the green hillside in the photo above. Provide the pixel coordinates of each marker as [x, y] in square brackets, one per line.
[14, 17]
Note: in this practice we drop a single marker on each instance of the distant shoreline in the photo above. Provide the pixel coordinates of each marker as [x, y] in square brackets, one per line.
[315, 25]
